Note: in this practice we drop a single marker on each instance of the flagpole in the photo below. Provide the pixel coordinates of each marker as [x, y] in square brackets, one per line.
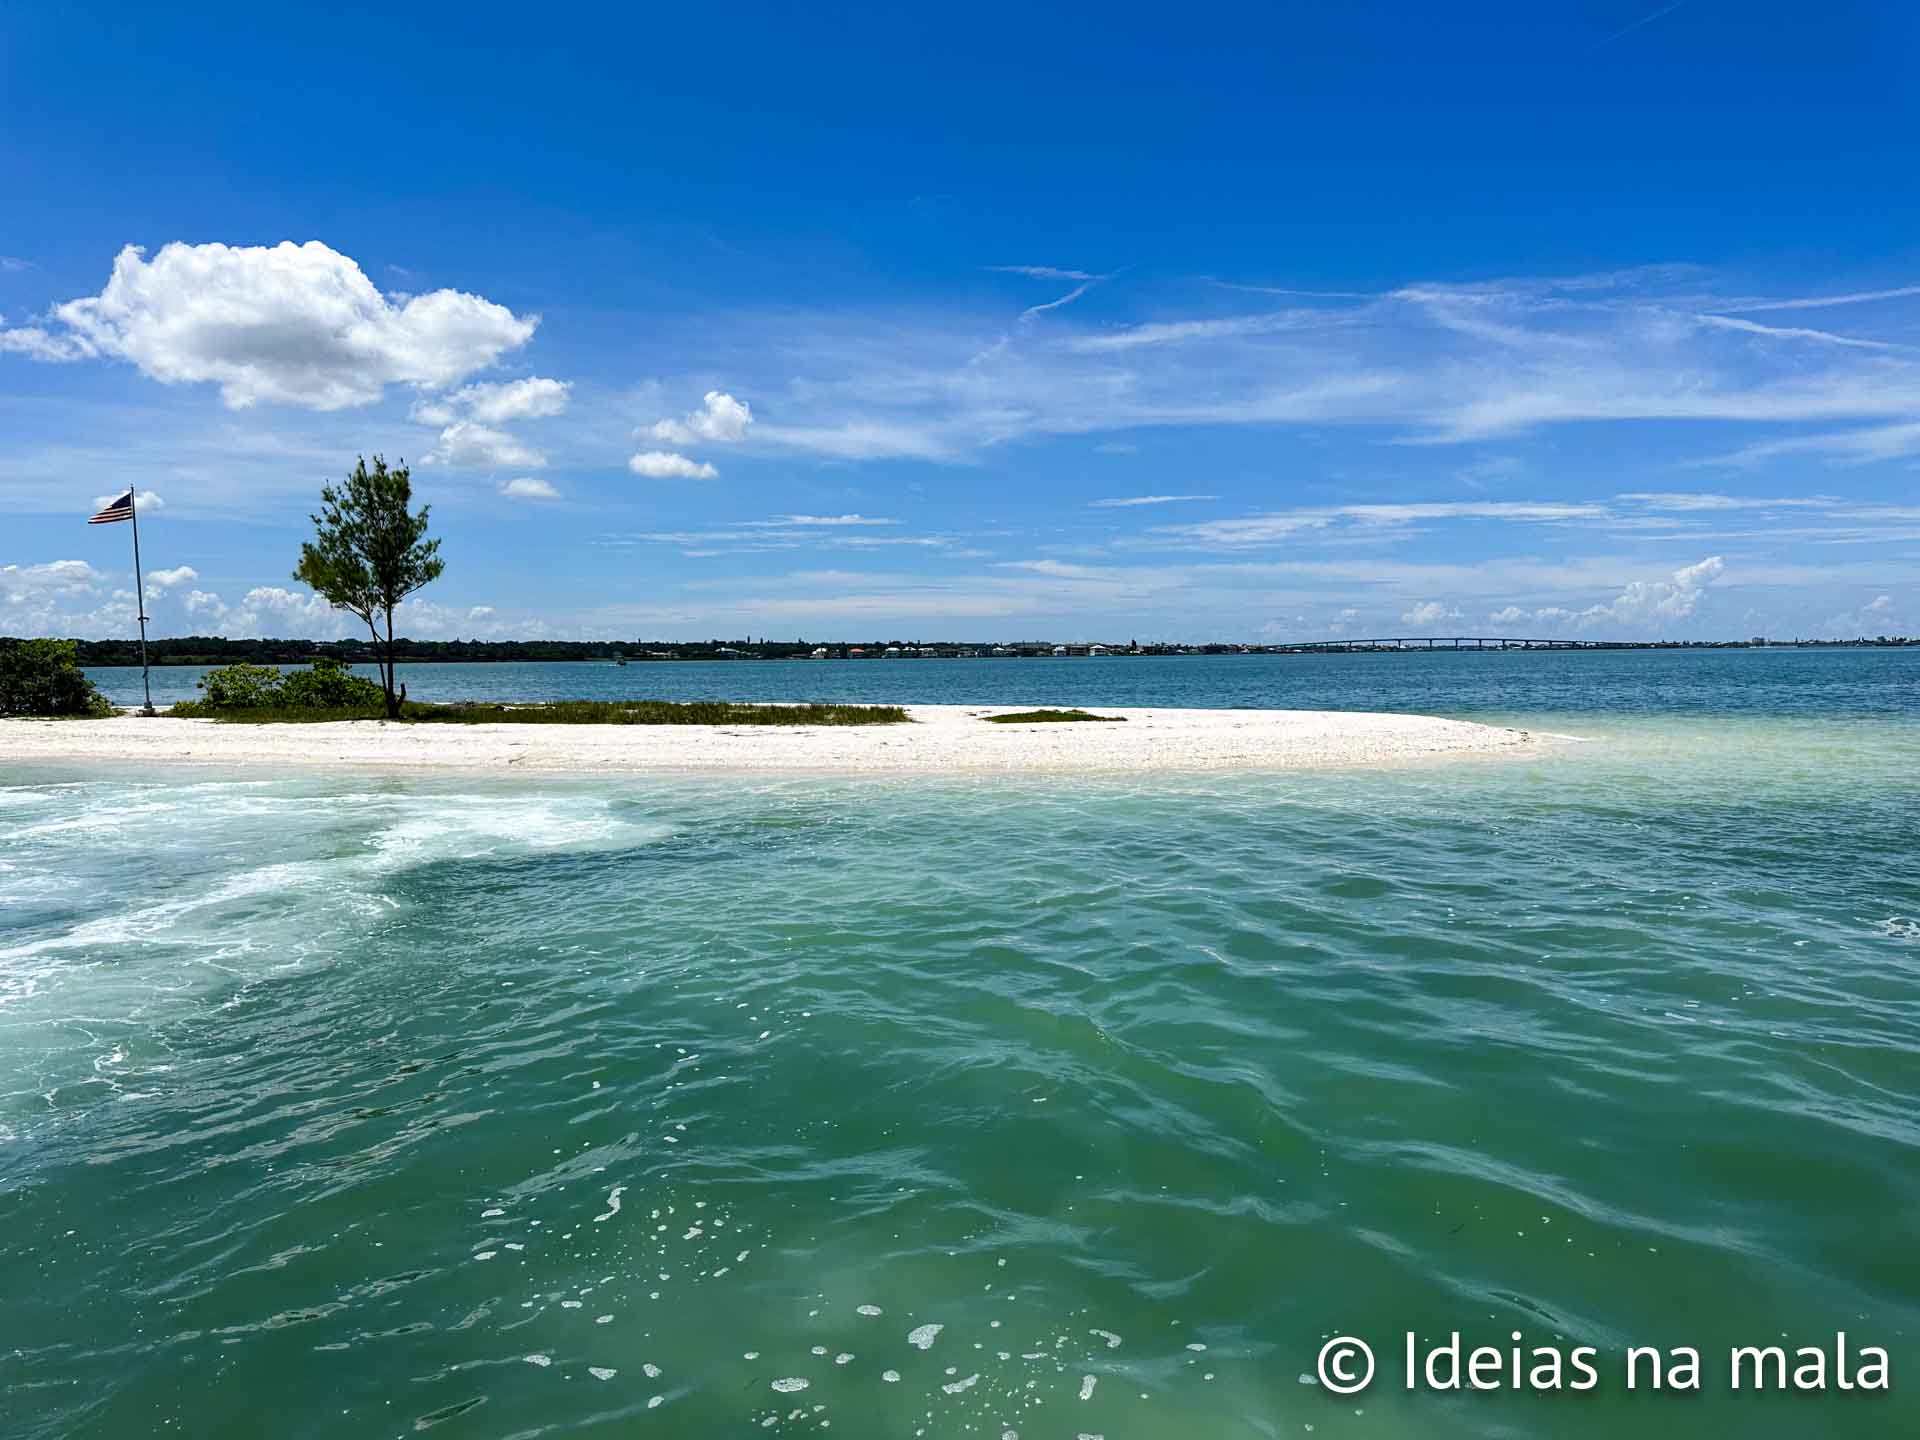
[140, 591]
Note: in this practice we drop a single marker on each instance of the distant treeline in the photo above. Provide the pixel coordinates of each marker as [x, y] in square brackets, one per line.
[217, 650]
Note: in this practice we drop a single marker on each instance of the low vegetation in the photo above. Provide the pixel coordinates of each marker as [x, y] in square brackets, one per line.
[289, 704]
[42, 678]
[1049, 717]
[327, 691]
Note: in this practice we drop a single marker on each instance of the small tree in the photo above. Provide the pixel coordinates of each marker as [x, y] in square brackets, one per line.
[369, 553]
[41, 677]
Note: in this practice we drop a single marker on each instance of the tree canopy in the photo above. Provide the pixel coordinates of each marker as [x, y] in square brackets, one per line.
[369, 552]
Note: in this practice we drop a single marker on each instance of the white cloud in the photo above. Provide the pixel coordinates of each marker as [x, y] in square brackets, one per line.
[38, 343]
[783, 522]
[1373, 521]
[663, 465]
[526, 487]
[1642, 605]
[290, 324]
[1428, 362]
[1043, 272]
[473, 414]
[535, 398]
[480, 612]
[1430, 613]
[167, 579]
[468, 442]
[1132, 500]
[1673, 599]
[56, 577]
[1880, 605]
[279, 611]
[1507, 616]
[721, 419]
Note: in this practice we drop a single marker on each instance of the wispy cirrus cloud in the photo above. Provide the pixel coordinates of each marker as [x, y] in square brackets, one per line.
[1129, 502]
[1426, 363]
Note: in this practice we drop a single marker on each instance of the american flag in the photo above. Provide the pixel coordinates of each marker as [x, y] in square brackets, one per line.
[121, 509]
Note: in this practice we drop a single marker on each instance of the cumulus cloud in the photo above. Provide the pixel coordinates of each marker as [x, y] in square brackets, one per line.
[1674, 599]
[1430, 612]
[534, 398]
[527, 487]
[1642, 605]
[721, 419]
[285, 612]
[56, 577]
[468, 442]
[168, 579]
[472, 416]
[289, 324]
[664, 465]
[39, 344]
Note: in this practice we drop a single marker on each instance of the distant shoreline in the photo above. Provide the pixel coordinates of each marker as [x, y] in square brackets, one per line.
[944, 739]
[171, 654]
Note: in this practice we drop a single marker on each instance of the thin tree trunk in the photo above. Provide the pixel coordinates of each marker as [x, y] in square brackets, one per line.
[393, 701]
[380, 662]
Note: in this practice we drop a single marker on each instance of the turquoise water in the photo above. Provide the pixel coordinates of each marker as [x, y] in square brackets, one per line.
[337, 1104]
[1764, 682]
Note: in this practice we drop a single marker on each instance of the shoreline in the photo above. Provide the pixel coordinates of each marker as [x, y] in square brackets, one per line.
[942, 739]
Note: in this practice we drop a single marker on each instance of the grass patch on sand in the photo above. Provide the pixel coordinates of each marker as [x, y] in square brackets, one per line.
[1050, 717]
[573, 712]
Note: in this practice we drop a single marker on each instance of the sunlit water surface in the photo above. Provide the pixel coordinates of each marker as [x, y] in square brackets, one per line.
[363, 1104]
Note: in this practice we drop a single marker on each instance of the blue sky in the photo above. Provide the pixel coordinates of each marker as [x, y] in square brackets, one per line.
[1262, 322]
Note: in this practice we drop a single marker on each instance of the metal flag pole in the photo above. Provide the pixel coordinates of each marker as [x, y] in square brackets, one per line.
[140, 591]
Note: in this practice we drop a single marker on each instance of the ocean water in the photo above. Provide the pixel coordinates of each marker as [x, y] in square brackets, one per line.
[1494, 683]
[340, 1104]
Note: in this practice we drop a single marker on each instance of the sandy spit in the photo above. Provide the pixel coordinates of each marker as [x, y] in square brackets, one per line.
[943, 739]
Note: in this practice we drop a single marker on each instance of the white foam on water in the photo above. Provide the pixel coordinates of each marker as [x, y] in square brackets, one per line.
[1087, 1382]
[921, 1337]
[792, 1384]
[858, 1309]
[613, 1204]
[959, 1385]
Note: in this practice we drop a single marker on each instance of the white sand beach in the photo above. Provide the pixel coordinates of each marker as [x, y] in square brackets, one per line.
[942, 739]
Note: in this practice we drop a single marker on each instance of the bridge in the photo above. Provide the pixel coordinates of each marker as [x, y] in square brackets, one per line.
[1454, 642]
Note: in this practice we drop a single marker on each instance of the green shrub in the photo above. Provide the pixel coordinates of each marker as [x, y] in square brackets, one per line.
[329, 685]
[1049, 717]
[329, 691]
[238, 687]
[40, 677]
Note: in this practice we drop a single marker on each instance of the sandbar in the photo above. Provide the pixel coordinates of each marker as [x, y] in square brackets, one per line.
[941, 739]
